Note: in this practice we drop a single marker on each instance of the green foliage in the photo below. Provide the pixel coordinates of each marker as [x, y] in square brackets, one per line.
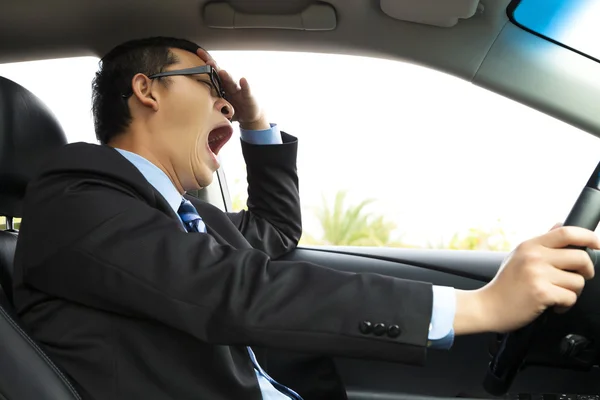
[238, 203]
[350, 225]
[345, 224]
[492, 239]
[16, 223]
[239, 199]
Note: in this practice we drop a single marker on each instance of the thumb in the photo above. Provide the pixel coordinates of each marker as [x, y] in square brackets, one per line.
[557, 225]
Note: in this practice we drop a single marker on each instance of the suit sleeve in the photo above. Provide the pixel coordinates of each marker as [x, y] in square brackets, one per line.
[131, 259]
[273, 221]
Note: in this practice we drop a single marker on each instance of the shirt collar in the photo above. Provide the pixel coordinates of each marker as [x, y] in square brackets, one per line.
[156, 177]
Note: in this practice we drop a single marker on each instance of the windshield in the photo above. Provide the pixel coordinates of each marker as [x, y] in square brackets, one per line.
[570, 23]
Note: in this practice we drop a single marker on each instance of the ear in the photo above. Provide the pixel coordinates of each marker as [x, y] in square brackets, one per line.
[142, 91]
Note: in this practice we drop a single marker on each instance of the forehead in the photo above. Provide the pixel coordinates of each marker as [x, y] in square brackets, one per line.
[187, 59]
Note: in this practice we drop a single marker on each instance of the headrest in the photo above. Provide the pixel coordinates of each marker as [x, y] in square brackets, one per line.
[28, 132]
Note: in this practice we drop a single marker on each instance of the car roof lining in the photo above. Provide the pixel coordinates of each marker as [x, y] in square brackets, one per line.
[362, 29]
[95, 27]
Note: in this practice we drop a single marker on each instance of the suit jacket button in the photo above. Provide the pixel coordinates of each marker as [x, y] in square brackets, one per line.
[365, 327]
[379, 329]
[394, 331]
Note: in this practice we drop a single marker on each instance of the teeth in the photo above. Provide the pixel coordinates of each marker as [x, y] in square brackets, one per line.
[216, 137]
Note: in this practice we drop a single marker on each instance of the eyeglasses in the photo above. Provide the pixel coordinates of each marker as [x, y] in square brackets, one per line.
[215, 80]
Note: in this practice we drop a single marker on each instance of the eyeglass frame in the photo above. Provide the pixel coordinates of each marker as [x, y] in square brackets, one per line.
[215, 80]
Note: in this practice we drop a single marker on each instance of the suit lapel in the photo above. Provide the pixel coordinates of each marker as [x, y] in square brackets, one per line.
[210, 219]
[163, 205]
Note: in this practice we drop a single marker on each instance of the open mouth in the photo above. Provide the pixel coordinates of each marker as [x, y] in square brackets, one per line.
[218, 137]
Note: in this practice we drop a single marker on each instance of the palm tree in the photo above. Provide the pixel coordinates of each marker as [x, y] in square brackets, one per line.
[352, 225]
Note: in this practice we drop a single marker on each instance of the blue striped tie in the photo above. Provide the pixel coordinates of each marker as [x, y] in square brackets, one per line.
[188, 214]
[193, 223]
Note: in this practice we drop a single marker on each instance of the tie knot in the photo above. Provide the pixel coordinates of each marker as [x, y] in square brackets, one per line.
[190, 217]
[187, 211]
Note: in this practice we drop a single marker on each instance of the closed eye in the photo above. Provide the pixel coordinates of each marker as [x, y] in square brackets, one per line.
[205, 82]
[211, 88]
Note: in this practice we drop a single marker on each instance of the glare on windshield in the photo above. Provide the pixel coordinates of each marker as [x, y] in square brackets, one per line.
[570, 23]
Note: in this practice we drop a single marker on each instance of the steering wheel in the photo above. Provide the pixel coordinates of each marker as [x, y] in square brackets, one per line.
[514, 346]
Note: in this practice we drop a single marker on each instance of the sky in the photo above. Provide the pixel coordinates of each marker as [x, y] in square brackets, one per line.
[438, 154]
[570, 22]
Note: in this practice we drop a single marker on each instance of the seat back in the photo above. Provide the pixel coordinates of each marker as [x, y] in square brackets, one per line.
[26, 373]
[8, 244]
[28, 132]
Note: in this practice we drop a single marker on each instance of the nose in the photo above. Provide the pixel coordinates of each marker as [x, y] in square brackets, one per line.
[225, 108]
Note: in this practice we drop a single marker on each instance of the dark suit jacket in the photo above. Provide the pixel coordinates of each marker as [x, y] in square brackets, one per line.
[133, 307]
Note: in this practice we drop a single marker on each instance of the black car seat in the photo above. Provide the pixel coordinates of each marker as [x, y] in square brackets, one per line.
[28, 132]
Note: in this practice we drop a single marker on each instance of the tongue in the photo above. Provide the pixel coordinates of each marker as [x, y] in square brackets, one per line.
[213, 146]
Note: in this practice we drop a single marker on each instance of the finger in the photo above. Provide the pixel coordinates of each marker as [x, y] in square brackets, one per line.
[561, 310]
[228, 81]
[213, 64]
[562, 298]
[203, 54]
[557, 225]
[245, 87]
[569, 236]
[207, 58]
[573, 260]
[567, 280]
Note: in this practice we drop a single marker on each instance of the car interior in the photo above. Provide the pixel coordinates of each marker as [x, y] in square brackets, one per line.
[473, 40]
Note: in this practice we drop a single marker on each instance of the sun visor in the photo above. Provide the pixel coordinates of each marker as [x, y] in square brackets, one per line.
[444, 13]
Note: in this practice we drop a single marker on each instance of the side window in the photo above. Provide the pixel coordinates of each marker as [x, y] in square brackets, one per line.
[393, 154]
[16, 223]
[65, 86]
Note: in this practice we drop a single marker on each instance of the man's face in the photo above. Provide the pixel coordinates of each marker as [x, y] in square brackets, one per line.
[193, 123]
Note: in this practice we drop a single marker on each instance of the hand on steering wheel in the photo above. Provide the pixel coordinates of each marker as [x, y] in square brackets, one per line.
[547, 271]
[540, 273]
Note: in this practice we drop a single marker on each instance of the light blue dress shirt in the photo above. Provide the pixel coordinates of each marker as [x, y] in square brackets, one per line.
[441, 333]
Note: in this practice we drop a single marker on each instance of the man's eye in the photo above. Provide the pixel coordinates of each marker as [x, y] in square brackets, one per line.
[212, 89]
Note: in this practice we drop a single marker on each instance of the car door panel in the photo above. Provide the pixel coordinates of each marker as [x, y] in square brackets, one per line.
[458, 372]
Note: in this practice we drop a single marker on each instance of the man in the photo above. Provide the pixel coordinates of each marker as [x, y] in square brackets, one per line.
[139, 291]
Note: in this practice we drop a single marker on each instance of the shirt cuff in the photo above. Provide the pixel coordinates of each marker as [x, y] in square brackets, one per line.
[441, 331]
[264, 136]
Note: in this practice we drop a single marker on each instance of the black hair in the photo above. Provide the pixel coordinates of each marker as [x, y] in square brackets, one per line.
[111, 86]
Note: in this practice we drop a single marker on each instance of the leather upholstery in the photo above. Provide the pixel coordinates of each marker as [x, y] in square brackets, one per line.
[28, 131]
[26, 373]
[8, 243]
